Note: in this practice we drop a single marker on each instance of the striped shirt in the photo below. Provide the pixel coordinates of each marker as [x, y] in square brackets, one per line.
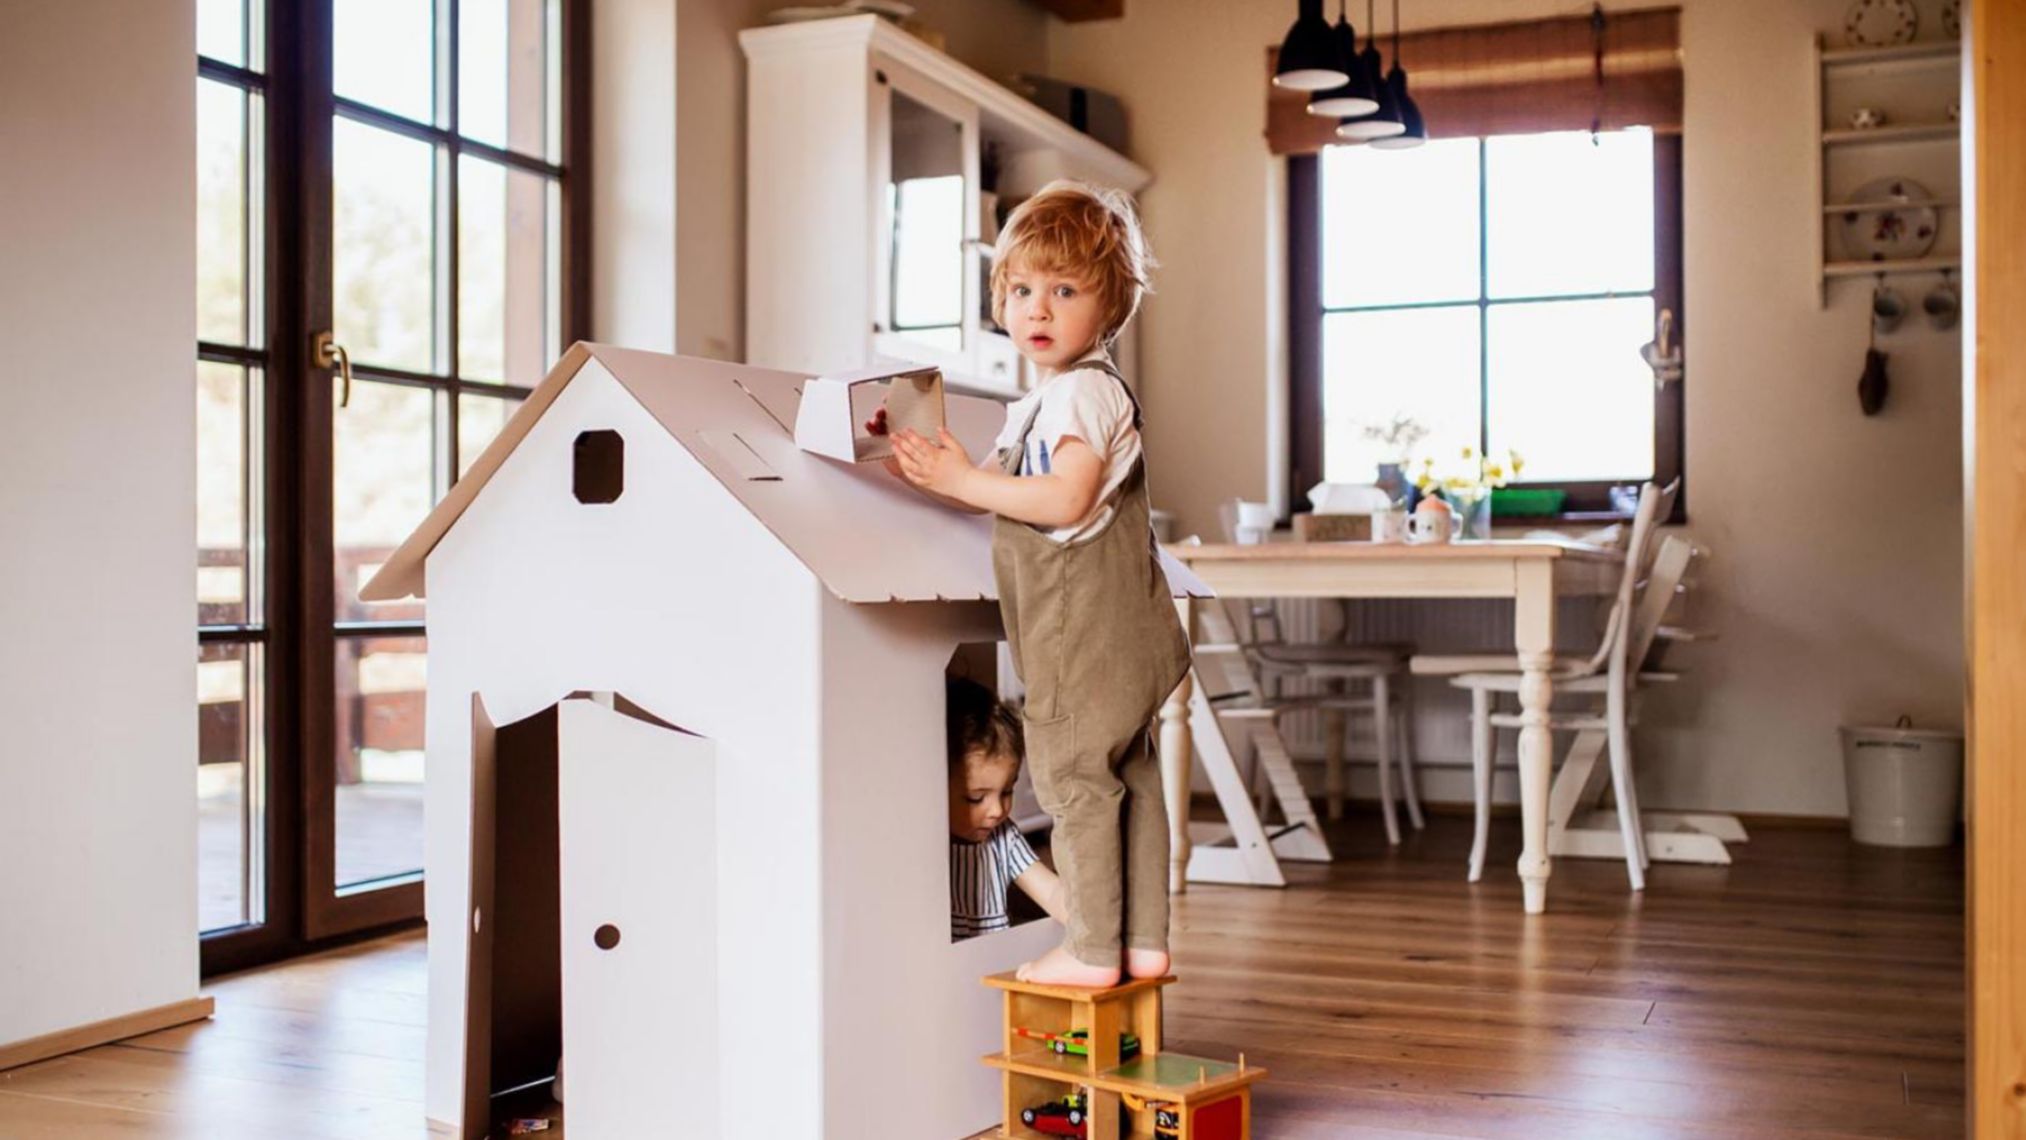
[981, 875]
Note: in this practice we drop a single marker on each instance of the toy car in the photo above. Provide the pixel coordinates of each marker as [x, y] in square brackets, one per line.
[1076, 1042]
[1063, 1117]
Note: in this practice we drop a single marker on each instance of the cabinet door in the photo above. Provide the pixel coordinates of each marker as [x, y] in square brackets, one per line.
[925, 186]
[639, 922]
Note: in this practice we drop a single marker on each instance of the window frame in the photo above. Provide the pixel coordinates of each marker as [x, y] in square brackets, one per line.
[1588, 500]
[297, 634]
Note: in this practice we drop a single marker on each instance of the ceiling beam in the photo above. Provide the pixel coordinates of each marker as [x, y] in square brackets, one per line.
[1078, 11]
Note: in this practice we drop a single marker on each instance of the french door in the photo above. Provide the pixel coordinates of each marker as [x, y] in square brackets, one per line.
[419, 268]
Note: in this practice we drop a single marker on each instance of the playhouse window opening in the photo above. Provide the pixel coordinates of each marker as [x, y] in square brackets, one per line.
[995, 828]
[598, 472]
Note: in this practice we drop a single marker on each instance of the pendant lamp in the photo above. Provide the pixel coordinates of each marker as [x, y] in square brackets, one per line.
[1385, 121]
[1413, 131]
[1355, 96]
[1308, 56]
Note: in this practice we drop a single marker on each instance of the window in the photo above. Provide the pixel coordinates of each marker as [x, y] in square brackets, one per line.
[1495, 290]
[404, 177]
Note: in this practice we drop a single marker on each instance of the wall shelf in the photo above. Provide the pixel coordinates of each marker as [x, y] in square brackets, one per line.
[1893, 133]
[1911, 84]
[1909, 265]
[1949, 203]
[1931, 51]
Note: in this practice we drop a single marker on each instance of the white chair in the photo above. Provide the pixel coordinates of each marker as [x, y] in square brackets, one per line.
[1339, 666]
[1631, 640]
[1248, 666]
[1487, 674]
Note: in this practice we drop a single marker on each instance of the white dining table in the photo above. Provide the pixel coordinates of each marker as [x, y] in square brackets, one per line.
[1532, 573]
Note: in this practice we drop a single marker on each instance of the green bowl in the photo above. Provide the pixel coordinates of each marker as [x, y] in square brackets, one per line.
[1527, 501]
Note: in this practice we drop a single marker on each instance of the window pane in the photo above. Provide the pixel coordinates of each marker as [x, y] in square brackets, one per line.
[505, 276]
[1399, 226]
[224, 572]
[383, 53]
[229, 792]
[383, 194]
[503, 71]
[221, 30]
[928, 259]
[479, 418]
[379, 757]
[1569, 391]
[221, 213]
[1419, 363]
[1566, 216]
[383, 484]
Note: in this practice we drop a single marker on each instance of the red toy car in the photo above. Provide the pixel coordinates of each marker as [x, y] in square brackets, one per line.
[1063, 1117]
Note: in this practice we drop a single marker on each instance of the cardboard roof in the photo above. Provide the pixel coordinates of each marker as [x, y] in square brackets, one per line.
[863, 534]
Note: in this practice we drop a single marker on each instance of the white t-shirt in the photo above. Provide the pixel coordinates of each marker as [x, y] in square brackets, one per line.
[1092, 406]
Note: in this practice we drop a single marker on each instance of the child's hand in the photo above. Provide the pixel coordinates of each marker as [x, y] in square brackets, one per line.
[939, 465]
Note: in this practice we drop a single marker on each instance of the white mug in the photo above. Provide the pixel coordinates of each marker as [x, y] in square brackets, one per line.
[1429, 527]
[1389, 526]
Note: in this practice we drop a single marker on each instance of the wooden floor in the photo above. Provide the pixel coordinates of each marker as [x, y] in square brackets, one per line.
[1814, 989]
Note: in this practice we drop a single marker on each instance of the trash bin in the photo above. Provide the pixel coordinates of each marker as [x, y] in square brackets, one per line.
[1905, 784]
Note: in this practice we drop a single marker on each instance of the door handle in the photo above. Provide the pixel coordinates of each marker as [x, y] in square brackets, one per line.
[326, 352]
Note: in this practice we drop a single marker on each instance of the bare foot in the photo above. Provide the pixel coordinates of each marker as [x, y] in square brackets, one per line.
[1146, 963]
[1059, 967]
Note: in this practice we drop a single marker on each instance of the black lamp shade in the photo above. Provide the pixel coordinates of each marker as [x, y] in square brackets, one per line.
[1309, 59]
[1383, 123]
[1355, 96]
[1416, 131]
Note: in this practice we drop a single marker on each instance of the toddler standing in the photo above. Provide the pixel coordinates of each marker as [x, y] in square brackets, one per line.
[1087, 610]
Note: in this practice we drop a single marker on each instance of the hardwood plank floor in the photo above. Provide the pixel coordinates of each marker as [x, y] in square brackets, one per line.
[1814, 989]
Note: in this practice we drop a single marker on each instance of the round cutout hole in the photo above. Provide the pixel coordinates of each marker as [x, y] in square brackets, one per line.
[606, 937]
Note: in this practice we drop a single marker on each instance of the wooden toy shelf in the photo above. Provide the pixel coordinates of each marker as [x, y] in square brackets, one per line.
[1141, 1093]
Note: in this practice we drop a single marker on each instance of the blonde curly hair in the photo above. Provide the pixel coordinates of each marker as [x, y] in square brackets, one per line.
[1092, 232]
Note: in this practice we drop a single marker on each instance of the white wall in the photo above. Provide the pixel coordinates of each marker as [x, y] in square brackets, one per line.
[97, 512]
[1835, 576]
[998, 37]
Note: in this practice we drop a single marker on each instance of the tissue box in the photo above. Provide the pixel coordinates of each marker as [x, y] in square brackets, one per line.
[831, 419]
[1332, 528]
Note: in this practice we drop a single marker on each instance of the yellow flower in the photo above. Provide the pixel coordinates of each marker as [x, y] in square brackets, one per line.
[1495, 471]
[1468, 452]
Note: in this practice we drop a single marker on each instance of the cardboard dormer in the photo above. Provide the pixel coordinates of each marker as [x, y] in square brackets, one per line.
[867, 537]
[835, 410]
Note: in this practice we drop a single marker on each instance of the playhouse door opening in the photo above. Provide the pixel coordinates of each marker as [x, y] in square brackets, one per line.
[514, 988]
[982, 740]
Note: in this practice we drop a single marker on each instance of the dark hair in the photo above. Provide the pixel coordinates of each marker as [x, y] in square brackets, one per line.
[980, 722]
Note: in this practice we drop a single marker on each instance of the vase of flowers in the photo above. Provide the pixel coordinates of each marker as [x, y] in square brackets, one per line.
[1467, 488]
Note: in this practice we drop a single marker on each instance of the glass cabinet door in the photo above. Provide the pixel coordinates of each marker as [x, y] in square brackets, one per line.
[928, 216]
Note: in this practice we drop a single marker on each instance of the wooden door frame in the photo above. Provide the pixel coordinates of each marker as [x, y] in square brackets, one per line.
[1994, 407]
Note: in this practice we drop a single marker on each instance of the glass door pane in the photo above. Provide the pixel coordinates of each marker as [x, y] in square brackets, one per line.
[231, 806]
[379, 758]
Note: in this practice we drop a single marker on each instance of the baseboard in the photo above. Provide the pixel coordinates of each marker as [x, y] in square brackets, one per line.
[103, 1032]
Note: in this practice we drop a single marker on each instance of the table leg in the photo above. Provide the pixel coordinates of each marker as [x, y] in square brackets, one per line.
[1534, 636]
[1178, 749]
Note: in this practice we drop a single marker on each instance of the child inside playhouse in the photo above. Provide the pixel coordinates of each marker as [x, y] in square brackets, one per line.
[1087, 611]
[988, 855]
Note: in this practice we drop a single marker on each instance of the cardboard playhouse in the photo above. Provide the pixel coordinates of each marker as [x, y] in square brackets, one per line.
[686, 799]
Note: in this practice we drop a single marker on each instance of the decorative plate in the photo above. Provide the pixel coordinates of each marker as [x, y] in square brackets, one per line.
[1880, 23]
[1889, 234]
[1952, 19]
